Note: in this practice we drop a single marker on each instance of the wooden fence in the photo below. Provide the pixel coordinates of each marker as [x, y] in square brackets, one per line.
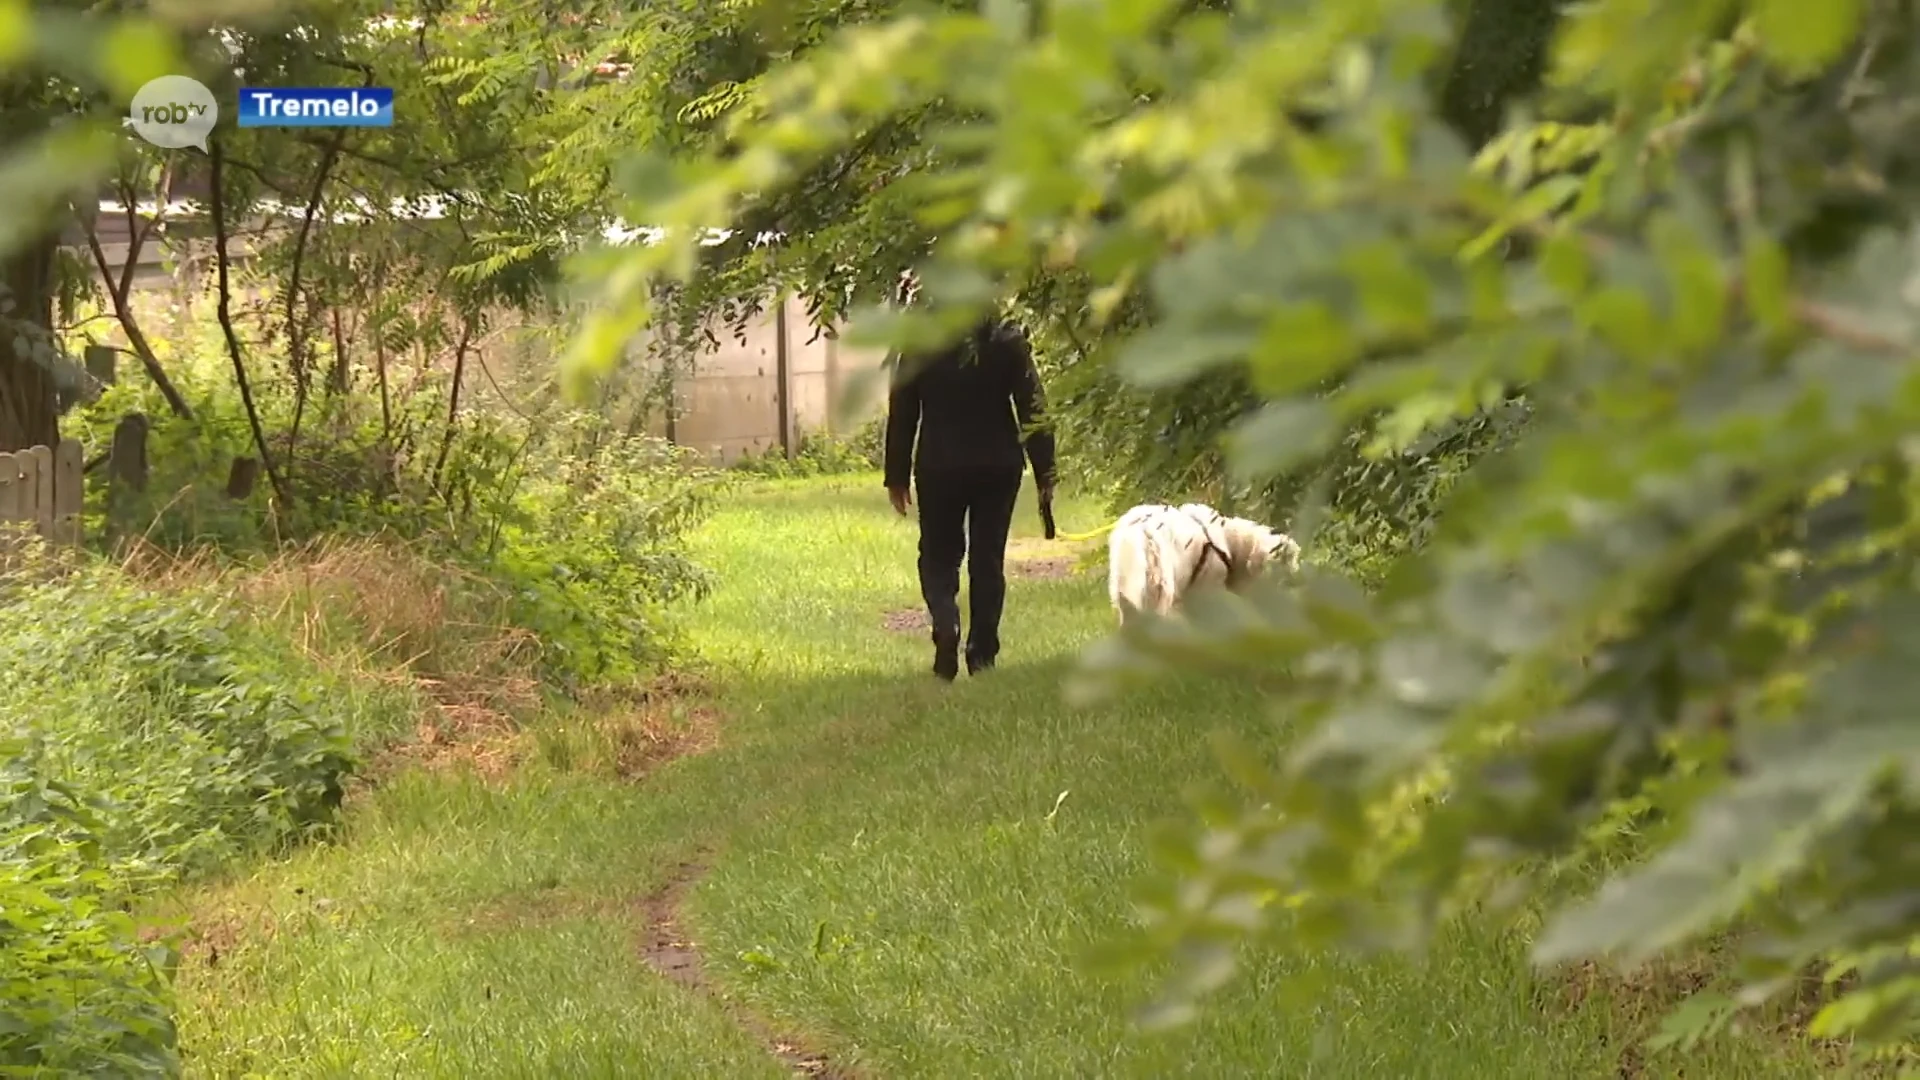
[41, 487]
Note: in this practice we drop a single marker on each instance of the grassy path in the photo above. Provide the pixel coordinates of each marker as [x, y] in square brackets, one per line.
[887, 873]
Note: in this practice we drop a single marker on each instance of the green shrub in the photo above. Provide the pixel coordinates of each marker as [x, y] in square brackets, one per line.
[147, 736]
[823, 454]
[207, 737]
[869, 444]
[591, 547]
[79, 993]
[561, 523]
[1696, 559]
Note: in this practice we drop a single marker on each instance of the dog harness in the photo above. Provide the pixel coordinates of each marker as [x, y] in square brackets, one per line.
[1211, 549]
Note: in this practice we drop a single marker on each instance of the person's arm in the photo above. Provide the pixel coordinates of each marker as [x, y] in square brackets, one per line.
[1030, 404]
[903, 423]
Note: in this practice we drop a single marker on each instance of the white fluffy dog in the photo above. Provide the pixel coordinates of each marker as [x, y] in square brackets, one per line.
[1157, 554]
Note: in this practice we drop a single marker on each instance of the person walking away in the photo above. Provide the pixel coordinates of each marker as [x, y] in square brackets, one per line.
[970, 405]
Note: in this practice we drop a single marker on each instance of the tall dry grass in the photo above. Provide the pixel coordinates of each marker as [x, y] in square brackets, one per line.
[385, 611]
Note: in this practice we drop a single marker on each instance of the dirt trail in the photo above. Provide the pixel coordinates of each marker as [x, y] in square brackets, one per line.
[668, 951]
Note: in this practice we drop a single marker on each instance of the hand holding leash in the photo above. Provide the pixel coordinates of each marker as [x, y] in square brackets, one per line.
[1053, 532]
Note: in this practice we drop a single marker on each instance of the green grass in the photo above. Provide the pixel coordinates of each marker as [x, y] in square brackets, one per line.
[885, 876]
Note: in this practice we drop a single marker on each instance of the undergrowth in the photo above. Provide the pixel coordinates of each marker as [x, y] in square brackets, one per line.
[822, 454]
[150, 735]
[561, 523]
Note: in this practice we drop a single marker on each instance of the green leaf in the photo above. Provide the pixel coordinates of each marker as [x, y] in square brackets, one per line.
[1174, 353]
[1128, 17]
[1379, 737]
[134, 52]
[1540, 201]
[1431, 671]
[1804, 37]
[1736, 845]
[1012, 19]
[1301, 346]
[1767, 282]
[37, 174]
[597, 349]
[648, 178]
[16, 32]
[1487, 606]
[1698, 304]
[1624, 318]
[1396, 295]
[1280, 436]
[1807, 778]
[1565, 264]
[1701, 1015]
[861, 385]
[1486, 293]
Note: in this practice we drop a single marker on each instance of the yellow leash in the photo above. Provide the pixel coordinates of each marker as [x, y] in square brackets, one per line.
[1077, 537]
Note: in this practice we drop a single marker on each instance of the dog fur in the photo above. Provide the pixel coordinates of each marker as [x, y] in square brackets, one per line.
[1157, 554]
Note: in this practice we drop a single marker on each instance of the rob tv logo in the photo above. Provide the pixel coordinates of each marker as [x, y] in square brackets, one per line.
[174, 112]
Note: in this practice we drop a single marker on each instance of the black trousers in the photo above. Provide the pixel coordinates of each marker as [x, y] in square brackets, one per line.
[966, 515]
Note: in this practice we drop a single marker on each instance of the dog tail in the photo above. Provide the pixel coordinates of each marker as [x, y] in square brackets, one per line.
[1131, 575]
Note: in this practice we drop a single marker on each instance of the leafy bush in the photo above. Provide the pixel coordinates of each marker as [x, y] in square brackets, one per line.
[210, 739]
[869, 444]
[823, 454]
[591, 548]
[79, 993]
[148, 736]
[558, 523]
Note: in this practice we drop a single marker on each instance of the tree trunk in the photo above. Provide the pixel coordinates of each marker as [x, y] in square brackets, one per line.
[340, 376]
[1500, 57]
[29, 401]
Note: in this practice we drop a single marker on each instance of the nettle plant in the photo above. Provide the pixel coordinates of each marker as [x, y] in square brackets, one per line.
[1694, 562]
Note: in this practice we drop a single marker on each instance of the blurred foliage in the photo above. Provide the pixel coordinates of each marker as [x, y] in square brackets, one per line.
[1677, 349]
[53, 143]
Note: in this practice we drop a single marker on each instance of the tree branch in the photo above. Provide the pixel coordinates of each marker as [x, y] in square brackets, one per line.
[142, 348]
[297, 327]
[216, 205]
[138, 230]
[453, 401]
[424, 170]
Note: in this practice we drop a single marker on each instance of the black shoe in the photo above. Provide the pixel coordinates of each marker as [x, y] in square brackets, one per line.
[946, 658]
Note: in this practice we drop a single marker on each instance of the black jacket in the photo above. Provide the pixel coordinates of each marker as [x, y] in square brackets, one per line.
[963, 403]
